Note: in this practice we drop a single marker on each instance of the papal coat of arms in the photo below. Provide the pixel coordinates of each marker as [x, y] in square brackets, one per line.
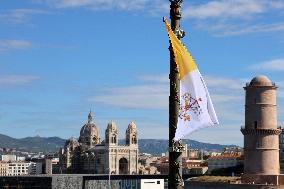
[190, 104]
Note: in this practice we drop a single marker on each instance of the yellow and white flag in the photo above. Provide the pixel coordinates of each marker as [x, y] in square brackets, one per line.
[196, 109]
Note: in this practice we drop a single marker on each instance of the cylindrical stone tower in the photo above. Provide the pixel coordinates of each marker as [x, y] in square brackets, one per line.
[261, 140]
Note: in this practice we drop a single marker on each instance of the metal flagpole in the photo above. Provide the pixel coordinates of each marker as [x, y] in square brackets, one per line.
[175, 148]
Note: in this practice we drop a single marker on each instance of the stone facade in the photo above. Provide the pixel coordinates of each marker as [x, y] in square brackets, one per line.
[261, 134]
[90, 155]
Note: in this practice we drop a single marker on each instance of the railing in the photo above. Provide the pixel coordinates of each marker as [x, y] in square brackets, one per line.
[260, 131]
[128, 179]
[248, 84]
[244, 127]
[85, 181]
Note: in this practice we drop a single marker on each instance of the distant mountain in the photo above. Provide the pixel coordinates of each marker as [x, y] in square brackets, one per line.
[158, 146]
[32, 144]
[52, 144]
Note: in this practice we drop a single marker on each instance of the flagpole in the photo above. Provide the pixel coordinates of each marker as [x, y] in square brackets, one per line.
[175, 148]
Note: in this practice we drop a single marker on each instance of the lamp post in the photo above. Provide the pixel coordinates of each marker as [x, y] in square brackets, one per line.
[175, 147]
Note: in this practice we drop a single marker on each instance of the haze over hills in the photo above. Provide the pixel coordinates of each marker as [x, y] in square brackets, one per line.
[52, 144]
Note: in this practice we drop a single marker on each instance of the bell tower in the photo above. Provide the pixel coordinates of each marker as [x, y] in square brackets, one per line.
[111, 134]
[131, 135]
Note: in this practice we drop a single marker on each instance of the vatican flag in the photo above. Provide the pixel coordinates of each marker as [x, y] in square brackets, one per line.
[196, 109]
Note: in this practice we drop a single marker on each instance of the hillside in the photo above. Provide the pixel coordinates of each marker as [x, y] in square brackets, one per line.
[52, 144]
[32, 144]
[158, 146]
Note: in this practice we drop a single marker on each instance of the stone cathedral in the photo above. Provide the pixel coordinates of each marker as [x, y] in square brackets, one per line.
[91, 156]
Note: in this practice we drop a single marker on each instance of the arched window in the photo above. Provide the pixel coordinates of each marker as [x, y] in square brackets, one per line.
[113, 139]
[134, 140]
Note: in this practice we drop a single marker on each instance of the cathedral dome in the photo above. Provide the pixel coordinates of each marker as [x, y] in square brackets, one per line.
[261, 80]
[89, 129]
[89, 133]
[111, 126]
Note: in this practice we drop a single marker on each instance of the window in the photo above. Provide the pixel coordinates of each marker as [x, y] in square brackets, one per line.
[113, 139]
[134, 140]
[255, 125]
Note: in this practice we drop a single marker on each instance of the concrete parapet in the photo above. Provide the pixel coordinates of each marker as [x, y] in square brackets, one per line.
[220, 185]
[25, 182]
[67, 181]
[260, 179]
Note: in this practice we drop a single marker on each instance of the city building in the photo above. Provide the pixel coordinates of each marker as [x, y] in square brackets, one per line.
[8, 158]
[35, 168]
[52, 166]
[194, 154]
[23, 168]
[261, 134]
[90, 155]
[149, 170]
[233, 150]
[162, 165]
[194, 166]
[3, 168]
[223, 161]
[184, 153]
[20, 158]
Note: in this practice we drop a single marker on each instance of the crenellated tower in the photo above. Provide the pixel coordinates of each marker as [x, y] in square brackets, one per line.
[261, 134]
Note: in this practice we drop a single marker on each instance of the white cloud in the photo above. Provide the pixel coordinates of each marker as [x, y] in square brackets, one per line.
[11, 80]
[128, 5]
[271, 65]
[227, 83]
[153, 96]
[222, 98]
[225, 9]
[164, 78]
[14, 44]
[277, 4]
[20, 15]
[220, 17]
[154, 93]
[102, 4]
[238, 17]
[227, 95]
[220, 134]
[233, 30]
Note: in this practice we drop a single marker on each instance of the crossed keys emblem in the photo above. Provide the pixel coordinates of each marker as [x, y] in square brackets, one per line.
[190, 104]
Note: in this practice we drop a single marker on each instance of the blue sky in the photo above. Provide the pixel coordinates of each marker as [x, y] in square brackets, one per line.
[61, 58]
